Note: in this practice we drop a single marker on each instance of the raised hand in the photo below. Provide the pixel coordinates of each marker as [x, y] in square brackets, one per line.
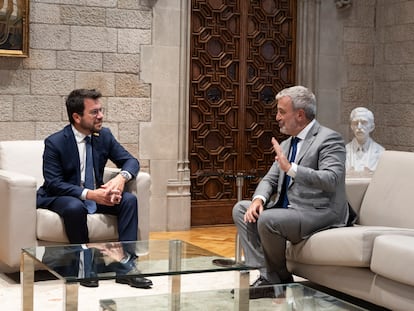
[280, 157]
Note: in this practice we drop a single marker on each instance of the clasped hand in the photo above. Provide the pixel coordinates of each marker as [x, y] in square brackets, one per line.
[108, 194]
[113, 250]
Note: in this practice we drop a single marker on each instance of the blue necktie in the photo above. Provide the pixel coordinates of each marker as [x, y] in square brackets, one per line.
[89, 183]
[286, 182]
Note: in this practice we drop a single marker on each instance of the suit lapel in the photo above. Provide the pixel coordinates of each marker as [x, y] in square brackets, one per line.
[72, 151]
[308, 141]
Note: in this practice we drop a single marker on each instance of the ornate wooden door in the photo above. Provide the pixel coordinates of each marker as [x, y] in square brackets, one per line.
[242, 54]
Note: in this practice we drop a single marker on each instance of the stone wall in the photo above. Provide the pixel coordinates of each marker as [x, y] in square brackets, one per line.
[394, 74]
[137, 51]
[79, 44]
[378, 68]
[341, 71]
[134, 52]
[346, 62]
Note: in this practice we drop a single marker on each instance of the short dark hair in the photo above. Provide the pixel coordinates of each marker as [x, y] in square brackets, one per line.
[75, 101]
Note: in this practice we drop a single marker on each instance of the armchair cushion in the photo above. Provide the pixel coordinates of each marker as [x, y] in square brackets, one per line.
[347, 246]
[398, 250]
[101, 227]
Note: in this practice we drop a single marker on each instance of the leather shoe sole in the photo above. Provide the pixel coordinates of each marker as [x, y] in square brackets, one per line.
[89, 283]
[135, 282]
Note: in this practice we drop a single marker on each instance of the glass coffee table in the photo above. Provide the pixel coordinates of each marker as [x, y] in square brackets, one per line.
[122, 260]
[291, 297]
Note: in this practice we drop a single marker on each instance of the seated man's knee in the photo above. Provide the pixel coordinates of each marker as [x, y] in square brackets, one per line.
[74, 208]
[130, 198]
[281, 222]
[129, 204]
[265, 222]
[239, 209]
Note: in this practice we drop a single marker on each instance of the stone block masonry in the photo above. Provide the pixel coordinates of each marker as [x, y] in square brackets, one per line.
[78, 44]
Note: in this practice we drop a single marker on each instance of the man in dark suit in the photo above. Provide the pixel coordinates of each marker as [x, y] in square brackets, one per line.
[66, 189]
[303, 192]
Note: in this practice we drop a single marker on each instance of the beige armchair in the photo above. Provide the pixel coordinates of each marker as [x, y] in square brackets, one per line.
[22, 225]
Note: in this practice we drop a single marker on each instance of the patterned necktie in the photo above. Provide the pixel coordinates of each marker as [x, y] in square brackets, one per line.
[89, 183]
[283, 196]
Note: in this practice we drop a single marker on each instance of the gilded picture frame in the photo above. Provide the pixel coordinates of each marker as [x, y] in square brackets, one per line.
[14, 28]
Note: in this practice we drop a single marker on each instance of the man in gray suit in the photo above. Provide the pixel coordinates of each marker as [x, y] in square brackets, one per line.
[314, 180]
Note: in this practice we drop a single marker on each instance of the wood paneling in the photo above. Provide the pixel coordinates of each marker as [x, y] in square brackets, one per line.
[242, 54]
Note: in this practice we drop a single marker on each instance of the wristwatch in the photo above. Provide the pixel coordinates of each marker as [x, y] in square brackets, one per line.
[125, 175]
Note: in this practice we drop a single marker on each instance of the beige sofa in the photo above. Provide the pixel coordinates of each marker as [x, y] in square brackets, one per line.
[374, 259]
[22, 225]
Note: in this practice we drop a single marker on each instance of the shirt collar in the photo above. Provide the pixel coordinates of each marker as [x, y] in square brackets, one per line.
[78, 135]
[302, 134]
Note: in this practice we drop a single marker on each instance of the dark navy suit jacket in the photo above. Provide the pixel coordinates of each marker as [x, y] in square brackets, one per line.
[61, 165]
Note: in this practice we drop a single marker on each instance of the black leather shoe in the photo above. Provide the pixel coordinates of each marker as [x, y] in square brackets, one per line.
[261, 288]
[135, 282]
[89, 283]
[288, 280]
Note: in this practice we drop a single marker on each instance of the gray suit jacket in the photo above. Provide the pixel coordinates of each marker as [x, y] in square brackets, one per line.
[317, 192]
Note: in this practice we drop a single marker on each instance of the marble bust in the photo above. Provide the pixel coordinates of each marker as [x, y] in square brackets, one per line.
[362, 153]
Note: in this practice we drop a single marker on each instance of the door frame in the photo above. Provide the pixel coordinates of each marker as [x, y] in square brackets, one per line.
[178, 190]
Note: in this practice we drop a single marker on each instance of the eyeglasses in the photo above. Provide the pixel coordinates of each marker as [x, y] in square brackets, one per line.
[94, 113]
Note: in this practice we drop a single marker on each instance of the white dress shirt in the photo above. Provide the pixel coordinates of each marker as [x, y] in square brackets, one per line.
[80, 141]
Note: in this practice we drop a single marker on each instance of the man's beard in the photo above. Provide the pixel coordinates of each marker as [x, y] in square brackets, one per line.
[94, 128]
[97, 127]
[282, 129]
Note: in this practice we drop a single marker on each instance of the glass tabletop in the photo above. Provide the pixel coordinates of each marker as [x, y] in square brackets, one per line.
[94, 261]
[293, 296]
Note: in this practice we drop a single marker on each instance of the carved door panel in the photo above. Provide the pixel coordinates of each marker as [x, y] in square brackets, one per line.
[242, 54]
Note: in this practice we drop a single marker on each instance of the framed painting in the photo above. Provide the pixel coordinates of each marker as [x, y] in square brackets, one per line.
[14, 28]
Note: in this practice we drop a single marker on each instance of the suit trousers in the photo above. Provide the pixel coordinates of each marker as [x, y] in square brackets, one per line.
[264, 242]
[74, 214]
[74, 261]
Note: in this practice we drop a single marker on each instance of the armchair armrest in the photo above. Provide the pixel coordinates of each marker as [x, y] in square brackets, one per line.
[141, 187]
[111, 172]
[18, 216]
[355, 191]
